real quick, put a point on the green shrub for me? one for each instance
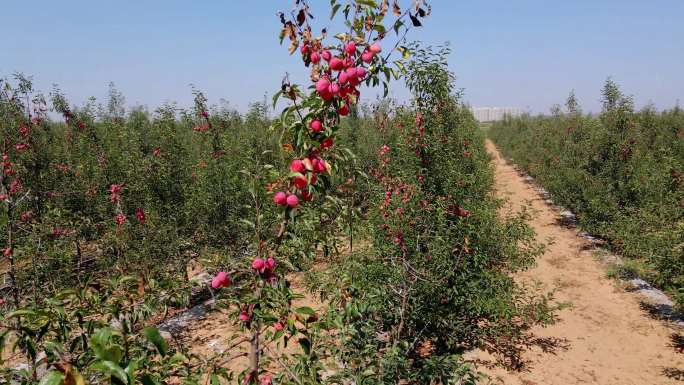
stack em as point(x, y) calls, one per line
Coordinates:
point(436, 281)
point(620, 171)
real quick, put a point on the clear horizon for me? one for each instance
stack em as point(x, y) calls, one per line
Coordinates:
point(526, 55)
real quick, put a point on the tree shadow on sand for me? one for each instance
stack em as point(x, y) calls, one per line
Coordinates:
point(661, 311)
point(677, 342)
point(509, 354)
point(674, 373)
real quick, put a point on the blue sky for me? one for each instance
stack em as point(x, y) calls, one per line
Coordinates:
point(522, 53)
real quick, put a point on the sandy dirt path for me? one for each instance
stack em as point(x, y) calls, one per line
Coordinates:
point(607, 338)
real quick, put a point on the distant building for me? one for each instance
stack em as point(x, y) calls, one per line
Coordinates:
point(491, 114)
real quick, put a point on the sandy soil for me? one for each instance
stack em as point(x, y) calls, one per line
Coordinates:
point(605, 336)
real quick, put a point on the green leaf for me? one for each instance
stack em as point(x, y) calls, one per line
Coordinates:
point(112, 369)
point(178, 357)
point(248, 223)
point(130, 370)
point(278, 335)
point(305, 344)
point(334, 10)
point(397, 26)
point(52, 377)
point(400, 65)
point(65, 293)
point(305, 310)
point(148, 380)
point(104, 347)
point(215, 379)
point(152, 335)
point(405, 52)
point(20, 313)
point(275, 98)
point(369, 3)
point(3, 341)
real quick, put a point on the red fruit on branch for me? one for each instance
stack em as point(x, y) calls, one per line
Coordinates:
point(258, 264)
point(299, 182)
point(316, 125)
point(220, 280)
point(217, 154)
point(343, 110)
point(120, 219)
point(367, 56)
point(351, 73)
point(244, 317)
point(326, 55)
point(26, 216)
point(21, 146)
point(270, 264)
point(458, 211)
point(322, 85)
point(323, 88)
point(327, 96)
point(336, 64)
point(223, 277)
point(321, 166)
point(280, 198)
point(292, 201)
point(140, 214)
point(115, 192)
point(15, 186)
point(344, 78)
point(215, 283)
point(307, 196)
point(297, 166)
point(327, 143)
point(350, 48)
point(57, 232)
point(375, 48)
point(115, 188)
point(205, 114)
point(4, 197)
point(201, 128)
point(7, 252)
point(265, 380)
point(315, 57)
point(399, 238)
